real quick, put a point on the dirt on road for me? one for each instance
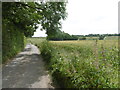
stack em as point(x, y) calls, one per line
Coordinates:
point(26, 70)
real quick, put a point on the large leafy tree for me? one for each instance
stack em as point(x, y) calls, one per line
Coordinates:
point(20, 19)
point(53, 13)
point(26, 15)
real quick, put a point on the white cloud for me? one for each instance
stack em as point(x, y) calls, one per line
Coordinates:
point(91, 16)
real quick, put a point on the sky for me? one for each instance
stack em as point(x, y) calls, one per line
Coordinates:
point(89, 17)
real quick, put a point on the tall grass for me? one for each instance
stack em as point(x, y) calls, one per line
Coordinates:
point(82, 64)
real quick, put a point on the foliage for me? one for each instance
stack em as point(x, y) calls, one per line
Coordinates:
point(101, 37)
point(83, 64)
point(26, 16)
point(61, 35)
point(82, 38)
point(20, 19)
point(19, 15)
point(53, 12)
point(12, 42)
point(98, 35)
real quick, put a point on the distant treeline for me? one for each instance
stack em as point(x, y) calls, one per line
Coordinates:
point(61, 35)
point(98, 35)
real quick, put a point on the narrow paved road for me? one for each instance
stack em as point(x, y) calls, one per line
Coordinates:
point(26, 70)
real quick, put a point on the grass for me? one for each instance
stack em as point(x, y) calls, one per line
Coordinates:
point(36, 40)
point(82, 64)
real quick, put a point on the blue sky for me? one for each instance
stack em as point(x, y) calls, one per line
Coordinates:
point(89, 17)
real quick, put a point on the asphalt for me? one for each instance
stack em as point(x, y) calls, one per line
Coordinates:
point(26, 70)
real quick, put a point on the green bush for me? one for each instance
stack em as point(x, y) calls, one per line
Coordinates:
point(12, 42)
point(101, 37)
point(72, 71)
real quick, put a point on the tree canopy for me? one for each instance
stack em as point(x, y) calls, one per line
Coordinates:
point(25, 16)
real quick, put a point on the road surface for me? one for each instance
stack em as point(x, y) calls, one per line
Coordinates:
point(26, 70)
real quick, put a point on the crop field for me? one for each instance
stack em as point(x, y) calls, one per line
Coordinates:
point(112, 37)
point(92, 38)
point(106, 38)
point(81, 64)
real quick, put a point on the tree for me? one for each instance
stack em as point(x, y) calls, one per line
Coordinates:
point(26, 15)
point(53, 13)
point(20, 19)
point(101, 37)
point(21, 16)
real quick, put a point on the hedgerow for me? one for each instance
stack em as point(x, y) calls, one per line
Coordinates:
point(12, 42)
point(76, 66)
